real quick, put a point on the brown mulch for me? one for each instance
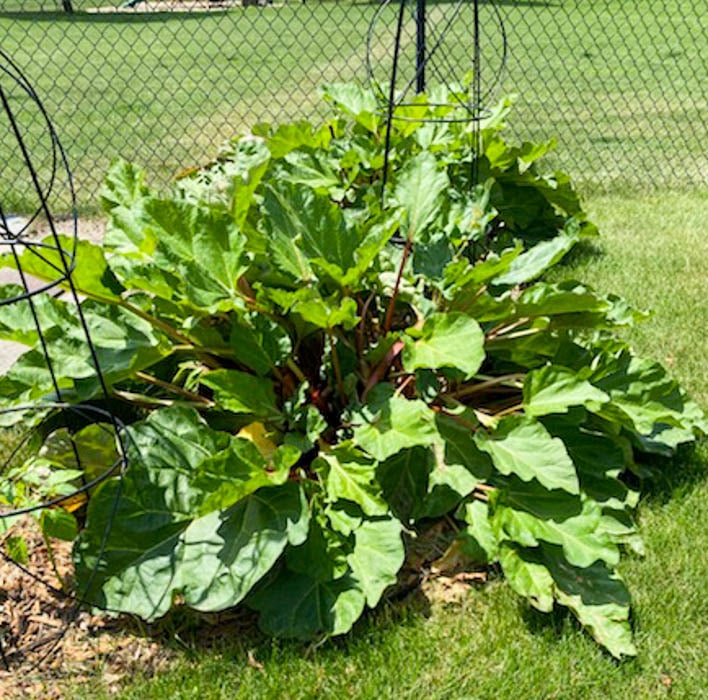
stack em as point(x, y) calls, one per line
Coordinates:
point(48, 643)
point(436, 567)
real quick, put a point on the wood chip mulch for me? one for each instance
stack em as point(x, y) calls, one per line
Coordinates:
point(48, 644)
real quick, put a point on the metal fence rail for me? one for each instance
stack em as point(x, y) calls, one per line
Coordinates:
point(622, 86)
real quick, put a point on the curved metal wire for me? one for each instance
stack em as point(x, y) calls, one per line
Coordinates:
point(20, 238)
point(474, 106)
point(58, 255)
point(13, 71)
point(88, 412)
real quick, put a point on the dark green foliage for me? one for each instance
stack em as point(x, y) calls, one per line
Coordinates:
point(319, 372)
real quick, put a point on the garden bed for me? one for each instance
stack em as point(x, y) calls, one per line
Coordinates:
point(47, 642)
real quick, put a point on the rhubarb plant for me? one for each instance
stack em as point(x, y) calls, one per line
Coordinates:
point(316, 361)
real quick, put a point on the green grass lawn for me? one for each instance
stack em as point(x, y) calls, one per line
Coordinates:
point(164, 91)
point(619, 84)
point(492, 646)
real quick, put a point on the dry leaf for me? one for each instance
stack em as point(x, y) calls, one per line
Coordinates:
point(253, 662)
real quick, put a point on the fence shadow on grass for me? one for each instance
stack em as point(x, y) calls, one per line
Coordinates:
point(111, 17)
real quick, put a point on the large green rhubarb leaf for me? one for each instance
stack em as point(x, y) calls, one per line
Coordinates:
point(583, 540)
point(599, 599)
point(595, 594)
point(522, 446)
point(241, 392)
point(204, 247)
point(555, 389)
point(147, 541)
point(446, 340)
point(534, 262)
point(298, 606)
point(90, 275)
point(261, 344)
point(349, 474)
point(392, 423)
point(17, 322)
point(478, 540)
point(236, 472)
point(643, 395)
point(599, 460)
point(447, 486)
point(527, 576)
point(355, 101)
point(457, 430)
point(123, 344)
point(308, 230)
point(419, 192)
point(404, 480)
point(569, 297)
point(377, 557)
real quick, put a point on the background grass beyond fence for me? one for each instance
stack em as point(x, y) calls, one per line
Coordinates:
point(622, 86)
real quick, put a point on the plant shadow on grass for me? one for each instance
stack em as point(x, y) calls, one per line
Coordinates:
point(582, 253)
point(554, 627)
point(235, 633)
point(670, 477)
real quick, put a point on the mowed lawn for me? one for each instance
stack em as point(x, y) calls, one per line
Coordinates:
point(164, 91)
point(492, 646)
point(618, 84)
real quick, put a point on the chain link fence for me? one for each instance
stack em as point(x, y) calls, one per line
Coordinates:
point(621, 85)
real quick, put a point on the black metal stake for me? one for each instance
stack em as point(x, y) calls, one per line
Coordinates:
point(420, 47)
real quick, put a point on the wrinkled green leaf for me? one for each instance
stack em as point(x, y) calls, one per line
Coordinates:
point(328, 314)
point(314, 607)
point(479, 541)
point(404, 480)
point(527, 577)
point(555, 389)
point(241, 392)
point(261, 344)
point(522, 446)
point(236, 472)
point(580, 535)
point(377, 557)
point(90, 275)
point(159, 546)
point(350, 475)
point(446, 340)
point(419, 192)
point(392, 423)
point(355, 101)
point(534, 262)
point(598, 598)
